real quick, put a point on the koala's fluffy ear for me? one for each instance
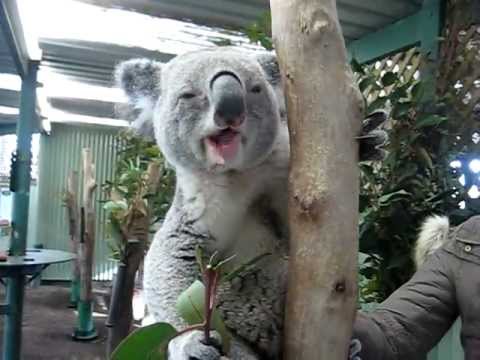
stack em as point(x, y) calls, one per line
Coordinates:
point(269, 63)
point(140, 80)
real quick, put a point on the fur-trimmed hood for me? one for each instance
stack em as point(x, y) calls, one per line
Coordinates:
point(433, 234)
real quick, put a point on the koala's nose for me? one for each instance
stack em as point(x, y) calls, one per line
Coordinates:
point(228, 99)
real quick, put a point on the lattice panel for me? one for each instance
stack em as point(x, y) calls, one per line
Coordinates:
point(459, 71)
point(404, 64)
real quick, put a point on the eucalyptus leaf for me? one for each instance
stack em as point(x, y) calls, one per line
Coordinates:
point(190, 306)
point(356, 67)
point(146, 343)
point(389, 78)
point(430, 120)
point(425, 157)
point(394, 195)
point(418, 92)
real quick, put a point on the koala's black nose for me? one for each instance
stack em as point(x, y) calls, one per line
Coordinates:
point(228, 99)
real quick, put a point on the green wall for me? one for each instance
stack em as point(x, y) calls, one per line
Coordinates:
point(449, 348)
point(60, 153)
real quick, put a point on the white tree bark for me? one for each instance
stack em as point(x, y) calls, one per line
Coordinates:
point(87, 246)
point(324, 113)
point(73, 219)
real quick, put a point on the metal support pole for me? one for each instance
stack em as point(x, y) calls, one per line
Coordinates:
point(12, 338)
point(20, 184)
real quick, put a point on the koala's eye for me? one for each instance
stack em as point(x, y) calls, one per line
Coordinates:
point(187, 95)
point(256, 89)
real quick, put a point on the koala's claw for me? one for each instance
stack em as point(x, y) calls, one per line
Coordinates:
point(371, 139)
point(191, 346)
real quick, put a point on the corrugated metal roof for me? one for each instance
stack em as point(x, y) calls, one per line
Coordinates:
point(13, 50)
point(94, 62)
point(6, 61)
point(358, 17)
point(13, 59)
point(89, 61)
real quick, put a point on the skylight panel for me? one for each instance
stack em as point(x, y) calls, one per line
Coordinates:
point(67, 19)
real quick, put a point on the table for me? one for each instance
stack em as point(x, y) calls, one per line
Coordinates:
point(15, 269)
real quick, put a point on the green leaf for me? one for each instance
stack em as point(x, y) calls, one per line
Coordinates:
point(418, 91)
point(199, 257)
point(190, 306)
point(393, 196)
point(389, 78)
point(377, 104)
point(399, 93)
point(401, 109)
point(430, 120)
point(368, 81)
point(424, 157)
point(146, 343)
point(356, 67)
point(111, 206)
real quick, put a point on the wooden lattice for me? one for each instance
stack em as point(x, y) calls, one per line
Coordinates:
point(459, 69)
point(404, 64)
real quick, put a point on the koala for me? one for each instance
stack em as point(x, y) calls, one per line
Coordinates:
point(218, 116)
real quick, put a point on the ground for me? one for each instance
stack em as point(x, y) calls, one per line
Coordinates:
point(48, 324)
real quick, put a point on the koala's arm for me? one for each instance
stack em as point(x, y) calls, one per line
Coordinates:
point(170, 268)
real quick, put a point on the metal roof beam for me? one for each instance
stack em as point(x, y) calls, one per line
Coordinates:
point(9, 98)
point(423, 28)
point(86, 107)
point(392, 9)
point(395, 37)
point(8, 119)
point(217, 13)
point(7, 129)
point(14, 35)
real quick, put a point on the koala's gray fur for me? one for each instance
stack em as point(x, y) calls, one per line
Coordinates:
point(238, 207)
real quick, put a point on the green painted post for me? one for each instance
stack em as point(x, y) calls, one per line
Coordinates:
point(85, 329)
point(74, 291)
point(388, 40)
point(428, 33)
point(21, 170)
point(422, 28)
point(20, 184)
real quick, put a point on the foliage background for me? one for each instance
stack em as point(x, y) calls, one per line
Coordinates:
point(415, 179)
point(428, 129)
point(129, 190)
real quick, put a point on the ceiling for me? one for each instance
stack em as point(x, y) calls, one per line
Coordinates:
point(357, 17)
point(92, 62)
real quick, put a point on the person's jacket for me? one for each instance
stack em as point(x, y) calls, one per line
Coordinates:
point(416, 316)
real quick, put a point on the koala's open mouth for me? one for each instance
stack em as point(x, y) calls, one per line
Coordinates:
point(222, 146)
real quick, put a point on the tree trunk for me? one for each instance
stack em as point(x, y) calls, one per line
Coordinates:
point(120, 314)
point(136, 239)
point(74, 229)
point(324, 113)
point(87, 243)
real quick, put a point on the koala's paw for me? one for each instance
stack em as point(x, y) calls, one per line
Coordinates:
point(372, 139)
point(191, 346)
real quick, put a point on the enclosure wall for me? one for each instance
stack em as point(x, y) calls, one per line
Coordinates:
point(59, 154)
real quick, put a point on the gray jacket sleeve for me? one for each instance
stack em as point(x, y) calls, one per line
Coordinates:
point(414, 318)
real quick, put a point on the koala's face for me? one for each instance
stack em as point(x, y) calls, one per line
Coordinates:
point(213, 110)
